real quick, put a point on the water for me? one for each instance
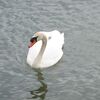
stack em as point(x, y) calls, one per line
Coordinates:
point(76, 76)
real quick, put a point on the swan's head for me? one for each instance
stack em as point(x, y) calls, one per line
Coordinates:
point(35, 38)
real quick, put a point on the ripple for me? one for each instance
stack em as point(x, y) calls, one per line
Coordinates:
point(76, 77)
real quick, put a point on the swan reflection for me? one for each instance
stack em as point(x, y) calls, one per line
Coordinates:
point(42, 90)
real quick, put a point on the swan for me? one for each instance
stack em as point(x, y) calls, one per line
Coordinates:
point(45, 49)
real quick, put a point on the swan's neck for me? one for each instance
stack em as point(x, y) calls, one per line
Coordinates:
point(38, 59)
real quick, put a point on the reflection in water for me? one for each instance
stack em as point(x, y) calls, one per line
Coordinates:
point(42, 90)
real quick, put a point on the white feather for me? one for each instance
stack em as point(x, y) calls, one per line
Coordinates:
point(53, 51)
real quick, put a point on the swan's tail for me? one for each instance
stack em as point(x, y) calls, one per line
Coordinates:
point(62, 38)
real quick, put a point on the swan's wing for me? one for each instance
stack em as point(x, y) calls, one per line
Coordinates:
point(53, 51)
point(56, 37)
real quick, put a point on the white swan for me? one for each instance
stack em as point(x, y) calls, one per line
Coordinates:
point(45, 49)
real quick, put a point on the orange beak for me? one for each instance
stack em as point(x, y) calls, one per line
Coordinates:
point(31, 44)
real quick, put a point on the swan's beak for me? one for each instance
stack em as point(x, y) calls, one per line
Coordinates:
point(33, 40)
point(31, 44)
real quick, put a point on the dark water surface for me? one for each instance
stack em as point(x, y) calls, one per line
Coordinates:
point(76, 76)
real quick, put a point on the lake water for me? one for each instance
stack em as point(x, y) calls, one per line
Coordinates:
point(76, 76)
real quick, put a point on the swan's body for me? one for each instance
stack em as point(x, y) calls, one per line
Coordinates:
point(47, 51)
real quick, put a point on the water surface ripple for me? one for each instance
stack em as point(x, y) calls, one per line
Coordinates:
point(76, 76)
